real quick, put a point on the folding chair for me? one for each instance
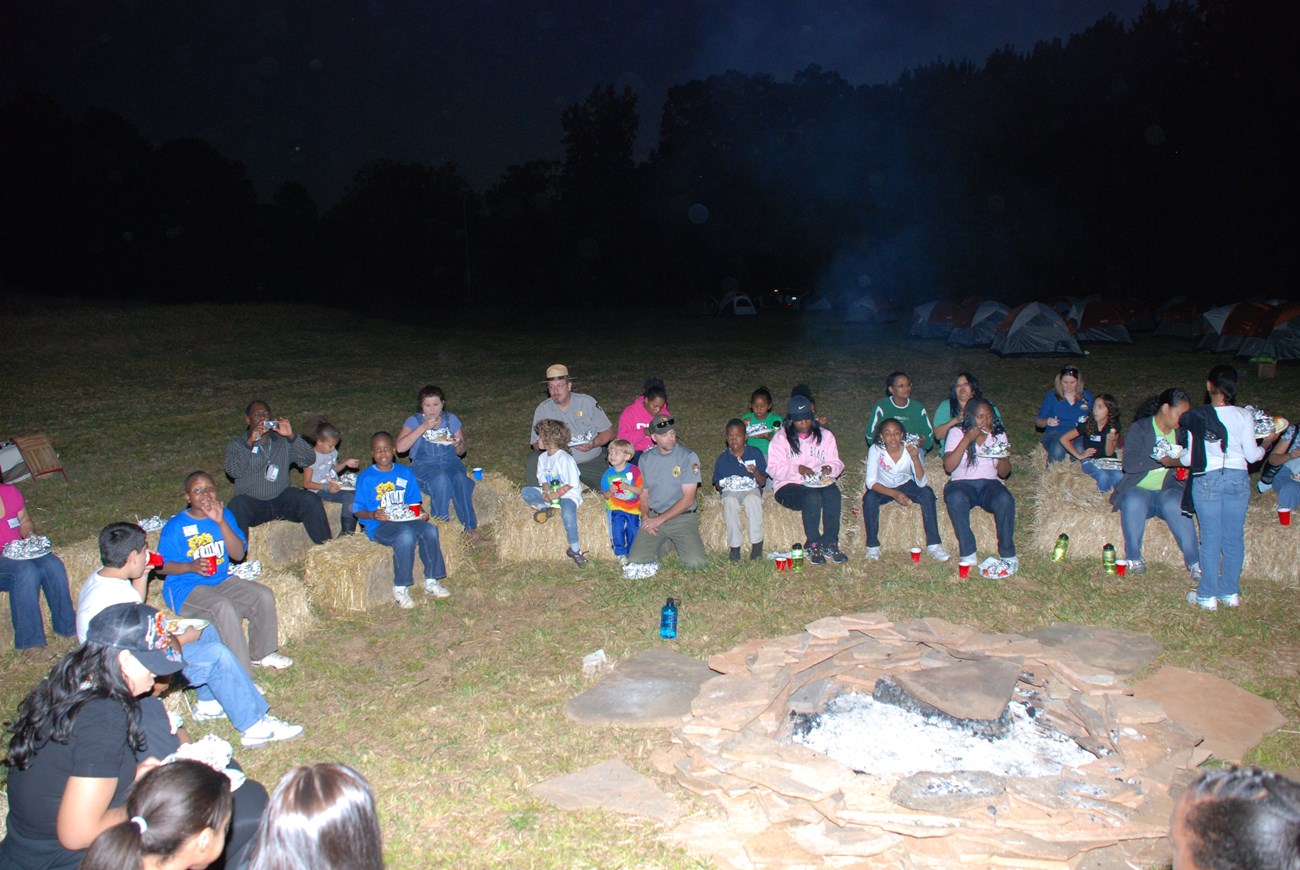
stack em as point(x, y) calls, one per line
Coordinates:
point(38, 453)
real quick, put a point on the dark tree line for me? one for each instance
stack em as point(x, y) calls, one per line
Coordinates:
point(1143, 161)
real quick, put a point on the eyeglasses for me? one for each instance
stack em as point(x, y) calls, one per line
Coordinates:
point(202, 490)
point(665, 424)
point(1070, 371)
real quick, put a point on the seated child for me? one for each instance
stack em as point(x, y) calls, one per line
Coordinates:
point(322, 476)
point(740, 474)
point(761, 423)
point(1097, 438)
point(622, 484)
point(895, 472)
point(557, 478)
point(384, 491)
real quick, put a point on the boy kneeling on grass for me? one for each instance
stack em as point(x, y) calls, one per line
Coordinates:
point(388, 506)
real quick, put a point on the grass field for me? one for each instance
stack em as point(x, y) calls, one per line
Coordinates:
point(452, 710)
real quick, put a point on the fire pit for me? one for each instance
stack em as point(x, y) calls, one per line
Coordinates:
point(1102, 792)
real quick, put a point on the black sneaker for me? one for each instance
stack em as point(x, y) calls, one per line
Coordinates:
point(814, 555)
point(833, 553)
point(576, 556)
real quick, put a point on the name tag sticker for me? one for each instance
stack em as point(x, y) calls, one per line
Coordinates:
point(189, 531)
point(14, 522)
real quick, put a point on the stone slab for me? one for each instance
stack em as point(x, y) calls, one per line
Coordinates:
point(1230, 719)
point(965, 690)
point(609, 785)
point(652, 689)
point(1109, 649)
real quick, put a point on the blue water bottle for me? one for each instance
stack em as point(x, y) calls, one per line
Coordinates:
point(668, 620)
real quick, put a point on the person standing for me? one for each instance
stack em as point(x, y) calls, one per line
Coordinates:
point(590, 427)
point(258, 462)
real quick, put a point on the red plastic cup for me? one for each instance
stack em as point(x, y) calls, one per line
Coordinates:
point(209, 565)
point(916, 555)
point(1180, 472)
point(963, 570)
point(780, 564)
point(1284, 516)
point(155, 559)
point(415, 509)
point(1121, 567)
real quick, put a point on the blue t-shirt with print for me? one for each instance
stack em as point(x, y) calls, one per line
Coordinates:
point(383, 489)
point(185, 539)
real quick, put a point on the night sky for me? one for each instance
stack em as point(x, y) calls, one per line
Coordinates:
point(311, 91)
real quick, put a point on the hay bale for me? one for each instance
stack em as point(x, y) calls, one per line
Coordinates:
point(782, 527)
point(520, 539)
point(355, 573)
point(280, 543)
point(292, 604)
point(491, 495)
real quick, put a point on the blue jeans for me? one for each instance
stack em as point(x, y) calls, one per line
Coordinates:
point(1221, 498)
point(404, 538)
point(821, 511)
point(24, 579)
point(1287, 489)
point(963, 496)
point(1139, 505)
point(1056, 452)
point(623, 527)
point(445, 482)
point(215, 672)
point(344, 499)
point(568, 511)
point(1106, 477)
point(920, 495)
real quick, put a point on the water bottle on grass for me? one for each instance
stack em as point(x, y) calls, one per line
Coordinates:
point(668, 620)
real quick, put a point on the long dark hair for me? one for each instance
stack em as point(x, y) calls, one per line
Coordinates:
point(968, 423)
point(89, 672)
point(176, 802)
point(954, 406)
point(1223, 380)
point(1112, 413)
point(792, 434)
point(1151, 404)
point(322, 817)
point(880, 427)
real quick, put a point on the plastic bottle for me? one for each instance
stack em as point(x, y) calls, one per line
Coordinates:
point(796, 558)
point(1061, 547)
point(668, 620)
point(555, 500)
point(1108, 558)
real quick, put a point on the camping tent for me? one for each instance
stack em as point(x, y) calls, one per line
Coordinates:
point(736, 304)
point(1283, 339)
point(1180, 318)
point(1137, 316)
point(935, 319)
point(1098, 321)
point(868, 309)
point(1033, 329)
point(1230, 325)
point(978, 328)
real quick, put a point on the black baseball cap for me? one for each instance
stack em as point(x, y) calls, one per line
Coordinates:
point(140, 629)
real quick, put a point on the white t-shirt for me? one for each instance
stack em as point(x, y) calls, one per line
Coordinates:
point(883, 470)
point(98, 593)
point(1242, 447)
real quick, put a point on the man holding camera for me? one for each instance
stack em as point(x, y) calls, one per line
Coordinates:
point(258, 462)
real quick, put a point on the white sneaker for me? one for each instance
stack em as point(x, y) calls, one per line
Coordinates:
point(436, 589)
point(1233, 600)
point(937, 553)
point(873, 553)
point(207, 711)
point(622, 560)
point(269, 729)
point(275, 661)
point(402, 595)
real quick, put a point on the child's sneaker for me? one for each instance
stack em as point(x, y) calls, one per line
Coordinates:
point(1203, 603)
point(937, 553)
point(402, 595)
point(436, 589)
point(541, 515)
point(814, 555)
point(576, 556)
point(833, 553)
point(622, 560)
point(1195, 571)
point(207, 711)
point(1233, 600)
point(873, 553)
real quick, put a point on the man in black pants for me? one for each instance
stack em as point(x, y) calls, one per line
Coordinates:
point(258, 462)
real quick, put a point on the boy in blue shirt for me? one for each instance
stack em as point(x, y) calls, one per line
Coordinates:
point(740, 474)
point(384, 493)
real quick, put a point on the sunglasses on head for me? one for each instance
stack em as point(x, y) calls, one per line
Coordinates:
point(664, 424)
point(1070, 371)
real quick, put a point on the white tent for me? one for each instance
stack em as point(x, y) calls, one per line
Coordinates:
point(736, 304)
point(1033, 329)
